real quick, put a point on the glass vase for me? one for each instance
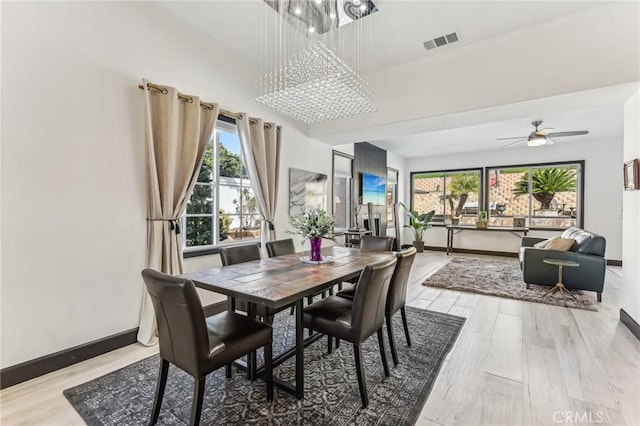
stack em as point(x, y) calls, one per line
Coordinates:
point(316, 249)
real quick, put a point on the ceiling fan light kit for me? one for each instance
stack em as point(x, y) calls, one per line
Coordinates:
point(537, 140)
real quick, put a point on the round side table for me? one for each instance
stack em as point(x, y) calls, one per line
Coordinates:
point(559, 287)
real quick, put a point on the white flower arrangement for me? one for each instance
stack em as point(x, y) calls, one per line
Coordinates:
point(314, 223)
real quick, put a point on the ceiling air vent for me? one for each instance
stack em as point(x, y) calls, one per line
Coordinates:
point(440, 41)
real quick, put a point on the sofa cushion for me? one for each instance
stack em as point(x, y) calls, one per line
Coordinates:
point(586, 242)
point(543, 244)
point(560, 244)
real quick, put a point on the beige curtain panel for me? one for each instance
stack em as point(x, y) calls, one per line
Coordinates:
point(261, 148)
point(178, 131)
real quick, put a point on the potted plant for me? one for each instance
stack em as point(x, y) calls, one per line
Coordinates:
point(483, 220)
point(314, 225)
point(418, 223)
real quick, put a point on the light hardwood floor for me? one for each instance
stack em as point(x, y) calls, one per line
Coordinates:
point(514, 363)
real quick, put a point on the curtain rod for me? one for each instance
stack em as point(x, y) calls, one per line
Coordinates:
point(221, 111)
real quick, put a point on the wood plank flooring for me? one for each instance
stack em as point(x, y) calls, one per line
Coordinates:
point(515, 363)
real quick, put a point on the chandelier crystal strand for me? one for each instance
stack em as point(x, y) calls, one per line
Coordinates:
point(311, 76)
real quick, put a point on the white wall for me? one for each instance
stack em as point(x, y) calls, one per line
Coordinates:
point(73, 200)
point(631, 215)
point(602, 203)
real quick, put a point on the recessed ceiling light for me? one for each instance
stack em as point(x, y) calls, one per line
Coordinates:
point(297, 11)
point(363, 7)
point(312, 30)
point(332, 15)
point(318, 1)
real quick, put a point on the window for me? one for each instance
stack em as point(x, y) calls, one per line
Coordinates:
point(392, 194)
point(545, 195)
point(342, 183)
point(222, 195)
point(453, 194)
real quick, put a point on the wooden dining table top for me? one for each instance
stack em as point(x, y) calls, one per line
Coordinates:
point(280, 281)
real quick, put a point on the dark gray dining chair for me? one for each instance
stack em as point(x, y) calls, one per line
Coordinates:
point(197, 345)
point(371, 243)
point(280, 247)
point(396, 297)
point(355, 320)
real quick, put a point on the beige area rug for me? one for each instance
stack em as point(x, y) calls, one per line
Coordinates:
point(501, 276)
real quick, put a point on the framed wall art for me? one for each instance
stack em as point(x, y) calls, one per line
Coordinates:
point(307, 190)
point(631, 172)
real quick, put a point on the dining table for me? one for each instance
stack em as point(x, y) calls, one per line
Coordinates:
point(281, 281)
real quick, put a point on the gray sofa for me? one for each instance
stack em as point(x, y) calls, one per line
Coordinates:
point(588, 251)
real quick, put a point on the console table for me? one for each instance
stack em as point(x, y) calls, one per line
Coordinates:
point(456, 229)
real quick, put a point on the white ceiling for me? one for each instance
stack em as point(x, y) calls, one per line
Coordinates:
point(400, 29)
point(604, 123)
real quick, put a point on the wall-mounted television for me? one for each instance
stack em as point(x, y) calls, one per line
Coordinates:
point(373, 189)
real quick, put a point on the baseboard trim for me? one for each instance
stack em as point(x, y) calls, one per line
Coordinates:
point(631, 324)
point(612, 262)
point(40, 366)
point(471, 251)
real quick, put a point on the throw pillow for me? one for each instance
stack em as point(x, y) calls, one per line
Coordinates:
point(560, 244)
point(543, 244)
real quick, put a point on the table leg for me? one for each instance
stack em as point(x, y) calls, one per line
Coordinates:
point(560, 274)
point(551, 291)
point(566, 290)
point(252, 361)
point(299, 351)
point(449, 241)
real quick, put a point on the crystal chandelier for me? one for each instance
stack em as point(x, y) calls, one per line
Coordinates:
point(313, 63)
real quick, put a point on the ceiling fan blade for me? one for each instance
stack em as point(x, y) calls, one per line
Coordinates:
point(513, 143)
point(550, 141)
point(544, 132)
point(575, 133)
point(504, 139)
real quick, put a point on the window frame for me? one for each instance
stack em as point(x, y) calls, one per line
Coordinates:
point(484, 190)
point(580, 187)
point(481, 187)
point(228, 125)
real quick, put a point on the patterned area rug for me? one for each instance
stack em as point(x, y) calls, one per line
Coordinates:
point(125, 397)
point(502, 277)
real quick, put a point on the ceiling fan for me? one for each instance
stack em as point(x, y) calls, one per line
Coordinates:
point(542, 136)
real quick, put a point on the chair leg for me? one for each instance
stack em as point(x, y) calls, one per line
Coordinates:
point(406, 326)
point(337, 343)
point(162, 381)
point(359, 369)
point(599, 297)
point(392, 342)
point(227, 369)
point(329, 344)
point(383, 354)
point(292, 311)
point(268, 370)
point(196, 404)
